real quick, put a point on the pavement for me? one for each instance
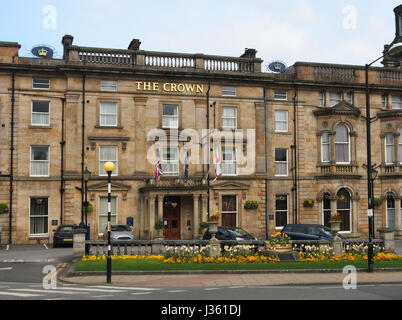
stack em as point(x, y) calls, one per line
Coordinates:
point(41, 253)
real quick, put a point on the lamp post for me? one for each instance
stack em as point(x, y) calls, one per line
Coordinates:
point(109, 167)
point(393, 50)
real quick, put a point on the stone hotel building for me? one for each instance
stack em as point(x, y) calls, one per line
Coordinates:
point(302, 131)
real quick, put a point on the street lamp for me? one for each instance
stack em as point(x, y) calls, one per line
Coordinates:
point(395, 49)
point(109, 167)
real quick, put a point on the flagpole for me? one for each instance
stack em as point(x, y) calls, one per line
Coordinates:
point(209, 151)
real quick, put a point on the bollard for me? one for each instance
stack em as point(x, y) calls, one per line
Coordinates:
point(79, 243)
point(388, 236)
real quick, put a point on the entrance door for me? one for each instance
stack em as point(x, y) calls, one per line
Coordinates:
point(171, 218)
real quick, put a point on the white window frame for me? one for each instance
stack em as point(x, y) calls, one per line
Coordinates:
point(282, 121)
point(102, 172)
point(281, 95)
point(287, 210)
point(108, 114)
point(334, 102)
point(232, 212)
point(400, 146)
point(39, 161)
point(343, 143)
point(392, 146)
point(399, 103)
point(350, 213)
point(37, 79)
point(234, 161)
point(386, 210)
point(229, 91)
point(33, 235)
point(384, 101)
point(282, 162)
point(109, 85)
point(42, 113)
point(100, 232)
point(174, 162)
point(170, 117)
point(350, 97)
point(230, 118)
point(322, 98)
point(323, 208)
point(329, 148)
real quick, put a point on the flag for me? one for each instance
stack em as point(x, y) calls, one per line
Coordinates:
point(217, 163)
point(186, 160)
point(158, 168)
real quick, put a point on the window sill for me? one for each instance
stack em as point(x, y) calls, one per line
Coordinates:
point(39, 127)
point(108, 127)
point(39, 236)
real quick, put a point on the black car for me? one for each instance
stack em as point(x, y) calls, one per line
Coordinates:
point(308, 232)
point(230, 233)
point(63, 236)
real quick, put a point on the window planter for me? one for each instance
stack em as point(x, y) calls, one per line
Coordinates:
point(251, 205)
point(3, 208)
point(308, 203)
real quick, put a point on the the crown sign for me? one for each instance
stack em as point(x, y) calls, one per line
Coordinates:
point(42, 52)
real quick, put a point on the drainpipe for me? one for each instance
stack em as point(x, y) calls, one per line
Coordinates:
point(83, 148)
point(295, 173)
point(209, 150)
point(11, 157)
point(62, 144)
point(266, 168)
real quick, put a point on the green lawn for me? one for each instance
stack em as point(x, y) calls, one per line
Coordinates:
point(154, 265)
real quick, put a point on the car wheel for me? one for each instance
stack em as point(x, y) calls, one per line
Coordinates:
point(55, 245)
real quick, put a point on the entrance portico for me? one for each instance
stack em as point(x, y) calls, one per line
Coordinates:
point(180, 205)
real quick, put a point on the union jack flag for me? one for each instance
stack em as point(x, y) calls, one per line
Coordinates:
point(158, 168)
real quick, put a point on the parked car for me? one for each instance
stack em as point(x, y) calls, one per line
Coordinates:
point(119, 233)
point(229, 233)
point(308, 232)
point(63, 236)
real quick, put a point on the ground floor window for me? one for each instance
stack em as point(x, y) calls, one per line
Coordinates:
point(344, 206)
point(229, 211)
point(38, 216)
point(103, 213)
point(390, 211)
point(281, 210)
point(326, 207)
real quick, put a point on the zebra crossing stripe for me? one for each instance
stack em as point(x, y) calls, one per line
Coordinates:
point(22, 295)
point(93, 289)
point(126, 288)
point(55, 291)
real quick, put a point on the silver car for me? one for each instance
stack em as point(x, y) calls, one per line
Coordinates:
point(119, 233)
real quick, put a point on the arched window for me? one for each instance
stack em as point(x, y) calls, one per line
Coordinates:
point(344, 206)
point(326, 209)
point(389, 148)
point(342, 144)
point(390, 211)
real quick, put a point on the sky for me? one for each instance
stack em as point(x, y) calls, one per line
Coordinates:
point(331, 31)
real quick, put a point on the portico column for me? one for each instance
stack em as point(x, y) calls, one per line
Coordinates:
point(151, 213)
point(204, 206)
point(196, 199)
point(161, 197)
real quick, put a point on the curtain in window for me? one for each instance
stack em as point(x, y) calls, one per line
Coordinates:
point(390, 211)
point(334, 98)
point(229, 161)
point(40, 113)
point(39, 161)
point(281, 162)
point(342, 144)
point(229, 117)
point(108, 114)
point(400, 145)
point(107, 154)
point(281, 121)
point(103, 214)
point(38, 220)
point(229, 211)
point(389, 148)
point(170, 117)
point(170, 161)
point(344, 208)
point(326, 153)
point(396, 102)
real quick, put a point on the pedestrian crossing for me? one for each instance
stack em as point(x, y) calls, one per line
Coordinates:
point(75, 292)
